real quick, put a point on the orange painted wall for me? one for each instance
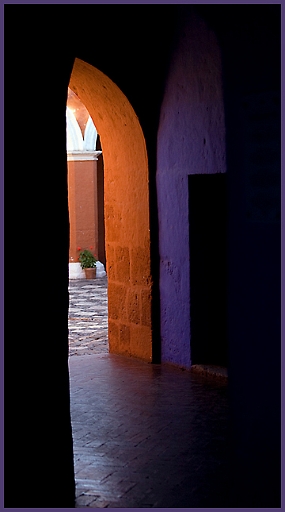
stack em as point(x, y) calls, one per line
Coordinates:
point(100, 199)
point(83, 211)
point(126, 203)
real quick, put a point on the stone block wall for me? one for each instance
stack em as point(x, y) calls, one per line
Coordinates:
point(129, 302)
point(126, 210)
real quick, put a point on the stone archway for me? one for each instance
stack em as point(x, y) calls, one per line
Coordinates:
point(126, 198)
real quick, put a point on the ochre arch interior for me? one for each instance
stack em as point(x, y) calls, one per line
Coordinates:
point(126, 208)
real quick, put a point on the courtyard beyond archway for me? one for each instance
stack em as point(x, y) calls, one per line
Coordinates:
point(126, 211)
point(88, 317)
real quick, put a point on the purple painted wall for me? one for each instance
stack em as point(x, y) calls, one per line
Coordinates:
point(191, 140)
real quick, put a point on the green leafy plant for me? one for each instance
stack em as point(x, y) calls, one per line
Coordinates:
point(86, 258)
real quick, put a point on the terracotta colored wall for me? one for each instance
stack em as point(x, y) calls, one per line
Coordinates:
point(191, 140)
point(126, 210)
point(100, 200)
point(83, 211)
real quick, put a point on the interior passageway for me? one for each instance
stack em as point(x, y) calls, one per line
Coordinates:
point(147, 435)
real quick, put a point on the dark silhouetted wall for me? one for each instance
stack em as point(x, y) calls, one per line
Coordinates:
point(204, 82)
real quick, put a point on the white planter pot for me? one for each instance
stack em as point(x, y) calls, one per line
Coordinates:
point(76, 272)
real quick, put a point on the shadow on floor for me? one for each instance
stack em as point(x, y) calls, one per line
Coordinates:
point(148, 435)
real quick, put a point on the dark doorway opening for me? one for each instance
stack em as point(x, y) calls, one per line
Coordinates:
point(208, 268)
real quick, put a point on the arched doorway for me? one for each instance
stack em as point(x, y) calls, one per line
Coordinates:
point(126, 207)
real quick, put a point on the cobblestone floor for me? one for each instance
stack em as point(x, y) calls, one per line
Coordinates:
point(88, 316)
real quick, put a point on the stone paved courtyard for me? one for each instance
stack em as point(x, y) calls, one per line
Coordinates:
point(88, 316)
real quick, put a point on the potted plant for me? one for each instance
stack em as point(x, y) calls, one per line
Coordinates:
point(88, 262)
